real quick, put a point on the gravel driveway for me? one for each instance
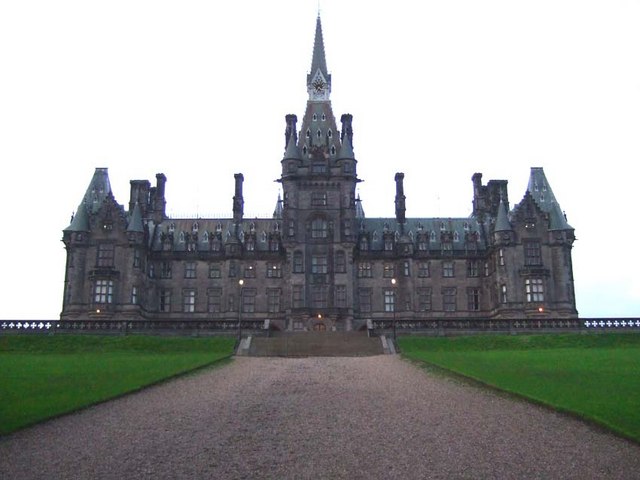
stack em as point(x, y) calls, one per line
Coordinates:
point(314, 418)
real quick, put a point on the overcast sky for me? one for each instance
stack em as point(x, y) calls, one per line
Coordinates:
point(439, 90)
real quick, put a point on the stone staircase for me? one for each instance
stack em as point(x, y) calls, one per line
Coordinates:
point(315, 344)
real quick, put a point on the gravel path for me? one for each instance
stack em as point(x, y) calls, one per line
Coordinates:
point(355, 418)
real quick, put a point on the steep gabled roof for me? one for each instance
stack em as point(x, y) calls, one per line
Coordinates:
point(542, 194)
point(502, 220)
point(319, 61)
point(99, 188)
point(135, 220)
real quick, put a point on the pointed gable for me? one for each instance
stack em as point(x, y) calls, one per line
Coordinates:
point(542, 194)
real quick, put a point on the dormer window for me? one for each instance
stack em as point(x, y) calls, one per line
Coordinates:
point(433, 236)
point(263, 237)
point(333, 150)
point(172, 228)
point(219, 227)
point(324, 117)
point(195, 227)
point(181, 237)
point(308, 133)
point(456, 236)
point(442, 227)
point(304, 150)
point(329, 133)
point(319, 133)
point(315, 117)
point(205, 237)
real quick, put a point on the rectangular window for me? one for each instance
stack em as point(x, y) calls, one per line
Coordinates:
point(297, 296)
point(389, 300)
point(473, 299)
point(340, 262)
point(134, 295)
point(388, 270)
point(341, 296)
point(532, 253)
point(214, 300)
point(318, 199)
point(448, 269)
point(318, 264)
point(347, 227)
point(214, 270)
point(406, 269)
point(319, 228)
point(190, 270)
point(249, 271)
point(298, 264)
point(274, 270)
point(248, 300)
point(364, 270)
point(424, 299)
point(534, 289)
point(165, 269)
point(291, 228)
point(319, 296)
point(189, 301)
point(105, 255)
point(273, 300)
point(473, 268)
point(137, 262)
point(103, 291)
point(319, 167)
point(165, 300)
point(423, 269)
point(501, 257)
point(503, 293)
point(449, 299)
point(233, 268)
point(364, 298)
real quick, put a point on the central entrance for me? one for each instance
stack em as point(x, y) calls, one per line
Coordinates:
point(319, 327)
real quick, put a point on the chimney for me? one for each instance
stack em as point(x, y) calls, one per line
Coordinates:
point(291, 129)
point(139, 194)
point(400, 200)
point(347, 130)
point(238, 201)
point(160, 203)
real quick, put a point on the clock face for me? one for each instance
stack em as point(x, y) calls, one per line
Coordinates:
point(318, 85)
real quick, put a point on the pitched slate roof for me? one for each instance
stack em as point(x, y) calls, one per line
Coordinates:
point(542, 194)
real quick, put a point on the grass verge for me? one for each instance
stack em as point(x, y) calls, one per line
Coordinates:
point(596, 377)
point(43, 377)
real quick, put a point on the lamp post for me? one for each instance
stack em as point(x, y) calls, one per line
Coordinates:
point(393, 286)
point(240, 283)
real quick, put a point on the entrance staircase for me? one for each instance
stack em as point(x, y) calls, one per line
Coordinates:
point(315, 344)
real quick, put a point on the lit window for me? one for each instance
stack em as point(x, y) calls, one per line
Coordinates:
point(503, 293)
point(103, 291)
point(534, 289)
point(249, 271)
point(274, 270)
point(389, 301)
point(189, 301)
point(364, 270)
point(388, 270)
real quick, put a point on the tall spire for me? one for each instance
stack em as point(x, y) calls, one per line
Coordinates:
point(318, 79)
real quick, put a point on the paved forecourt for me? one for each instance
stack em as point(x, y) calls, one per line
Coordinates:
point(309, 418)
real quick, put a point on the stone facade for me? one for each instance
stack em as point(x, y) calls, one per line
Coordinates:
point(319, 262)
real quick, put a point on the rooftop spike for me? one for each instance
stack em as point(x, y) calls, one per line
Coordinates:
point(318, 79)
point(135, 220)
point(502, 220)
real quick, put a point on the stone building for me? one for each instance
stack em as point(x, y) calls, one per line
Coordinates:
point(318, 262)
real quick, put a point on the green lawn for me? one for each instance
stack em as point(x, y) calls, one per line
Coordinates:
point(593, 376)
point(41, 377)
